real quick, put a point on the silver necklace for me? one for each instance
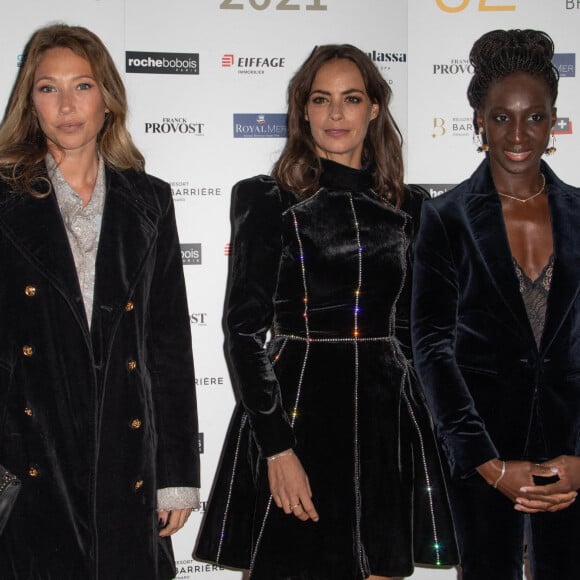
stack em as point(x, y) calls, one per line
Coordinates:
point(526, 199)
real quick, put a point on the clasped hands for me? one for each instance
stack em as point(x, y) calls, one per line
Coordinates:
point(519, 486)
point(290, 487)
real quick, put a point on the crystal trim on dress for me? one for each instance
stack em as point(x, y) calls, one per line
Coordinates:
point(230, 488)
point(355, 339)
point(436, 545)
point(294, 413)
point(362, 558)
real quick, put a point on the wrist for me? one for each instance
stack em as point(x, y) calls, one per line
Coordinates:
point(276, 456)
point(492, 471)
point(501, 474)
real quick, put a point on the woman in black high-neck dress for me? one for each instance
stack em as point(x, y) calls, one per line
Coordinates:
point(329, 470)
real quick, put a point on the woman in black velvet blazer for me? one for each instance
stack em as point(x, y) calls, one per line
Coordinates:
point(496, 325)
point(97, 401)
point(329, 469)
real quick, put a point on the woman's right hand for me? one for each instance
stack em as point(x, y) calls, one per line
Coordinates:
point(552, 496)
point(290, 487)
point(518, 475)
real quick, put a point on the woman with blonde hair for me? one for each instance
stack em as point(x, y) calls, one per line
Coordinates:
point(97, 404)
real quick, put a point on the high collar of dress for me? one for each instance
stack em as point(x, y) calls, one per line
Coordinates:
point(337, 176)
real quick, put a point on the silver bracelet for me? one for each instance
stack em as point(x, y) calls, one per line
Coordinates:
point(282, 454)
point(502, 473)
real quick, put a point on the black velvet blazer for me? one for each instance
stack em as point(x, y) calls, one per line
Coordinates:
point(474, 347)
point(94, 420)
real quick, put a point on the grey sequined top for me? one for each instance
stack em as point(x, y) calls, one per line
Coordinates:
point(83, 226)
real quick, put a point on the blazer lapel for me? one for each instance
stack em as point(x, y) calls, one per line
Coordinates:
point(485, 218)
point(35, 226)
point(564, 202)
point(127, 236)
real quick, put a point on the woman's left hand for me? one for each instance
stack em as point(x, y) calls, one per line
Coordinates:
point(170, 522)
point(553, 496)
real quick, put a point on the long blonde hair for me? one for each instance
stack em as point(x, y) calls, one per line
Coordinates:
point(23, 146)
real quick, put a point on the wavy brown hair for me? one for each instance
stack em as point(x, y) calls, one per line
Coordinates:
point(23, 145)
point(298, 168)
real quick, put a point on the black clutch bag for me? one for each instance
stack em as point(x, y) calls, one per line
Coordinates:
point(9, 488)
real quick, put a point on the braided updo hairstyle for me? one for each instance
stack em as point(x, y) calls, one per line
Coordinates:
point(500, 53)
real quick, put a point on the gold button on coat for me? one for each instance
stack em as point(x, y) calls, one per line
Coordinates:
point(138, 485)
point(28, 411)
point(135, 423)
point(129, 306)
point(33, 471)
point(132, 365)
point(30, 291)
point(27, 350)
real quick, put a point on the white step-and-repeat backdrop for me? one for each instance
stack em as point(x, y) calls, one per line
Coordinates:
point(207, 90)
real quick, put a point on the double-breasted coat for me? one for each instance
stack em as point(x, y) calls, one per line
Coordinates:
point(94, 419)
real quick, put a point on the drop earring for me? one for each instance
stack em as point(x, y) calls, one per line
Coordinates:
point(478, 140)
point(552, 148)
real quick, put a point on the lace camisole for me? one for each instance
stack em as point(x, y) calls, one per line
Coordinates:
point(535, 297)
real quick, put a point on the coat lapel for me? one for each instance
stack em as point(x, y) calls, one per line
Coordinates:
point(35, 226)
point(128, 232)
point(564, 202)
point(485, 218)
point(484, 215)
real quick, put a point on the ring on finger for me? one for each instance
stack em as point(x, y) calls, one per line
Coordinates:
point(293, 507)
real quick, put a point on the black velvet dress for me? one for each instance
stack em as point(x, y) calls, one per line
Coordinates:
point(317, 321)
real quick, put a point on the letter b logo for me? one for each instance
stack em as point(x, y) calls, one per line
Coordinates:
point(438, 127)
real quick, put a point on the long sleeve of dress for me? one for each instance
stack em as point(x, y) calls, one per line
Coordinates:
point(415, 196)
point(256, 249)
point(435, 306)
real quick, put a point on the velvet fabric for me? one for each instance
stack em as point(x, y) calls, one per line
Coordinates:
point(94, 421)
point(332, 381)
point(478, 360)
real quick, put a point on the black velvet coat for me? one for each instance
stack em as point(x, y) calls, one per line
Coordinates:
point(327, 276)
point(94, 421)
point(474, 347)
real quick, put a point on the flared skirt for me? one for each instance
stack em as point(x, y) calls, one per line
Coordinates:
point(365, 439)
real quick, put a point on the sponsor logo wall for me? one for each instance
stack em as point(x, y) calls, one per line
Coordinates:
point(191, 254)
point(206, 83)
point(259, 126)
point(440, 120)
point(162, 63)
